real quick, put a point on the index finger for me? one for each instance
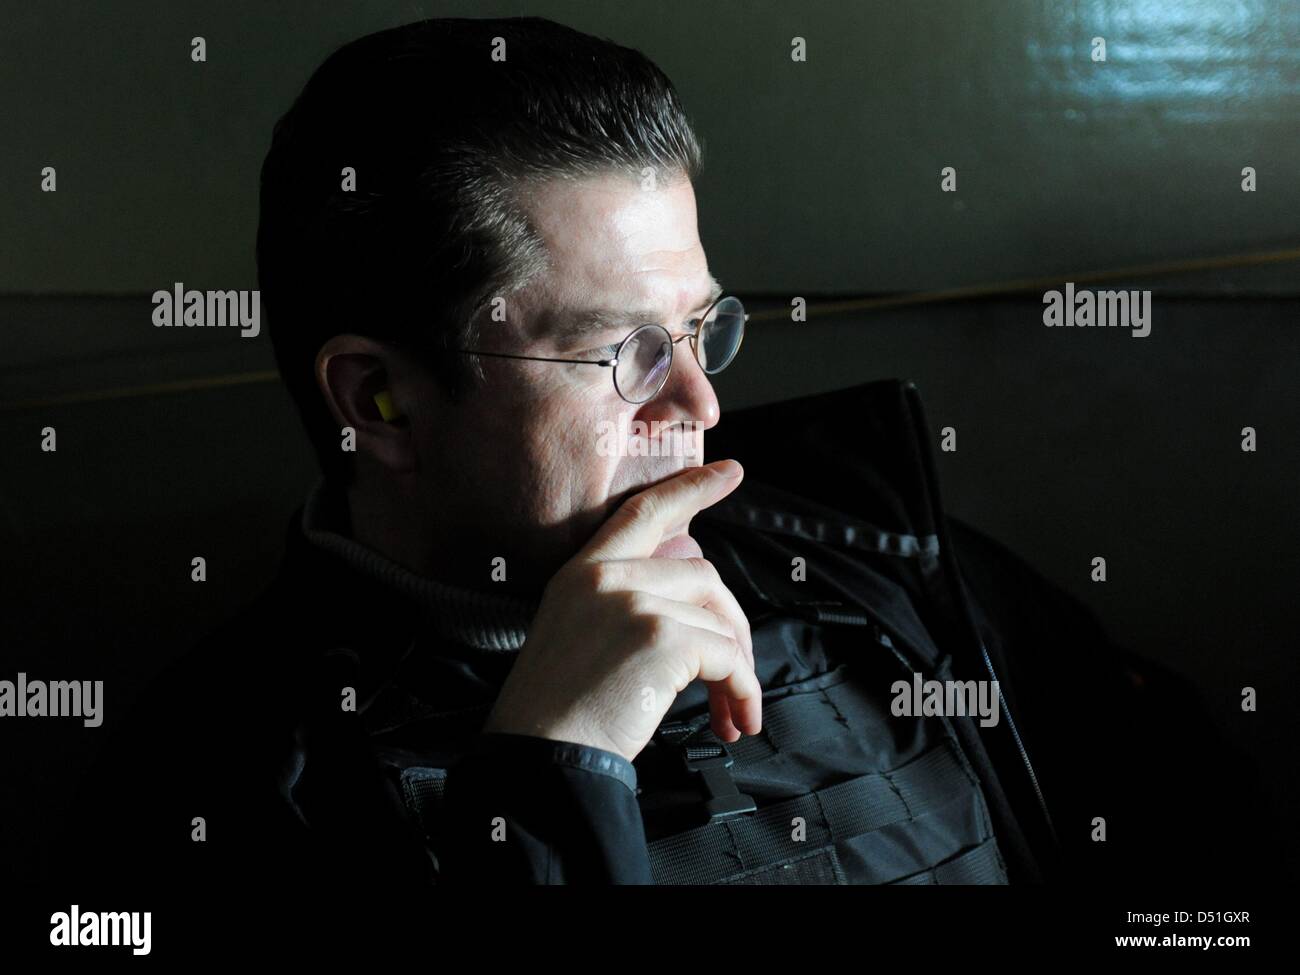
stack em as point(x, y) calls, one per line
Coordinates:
point(635, 530)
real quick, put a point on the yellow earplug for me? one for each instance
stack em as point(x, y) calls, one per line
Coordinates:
point(384, 401)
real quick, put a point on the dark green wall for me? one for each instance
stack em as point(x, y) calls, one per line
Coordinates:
point(822, 176)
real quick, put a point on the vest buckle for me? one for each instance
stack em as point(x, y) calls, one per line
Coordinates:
point(712, 762)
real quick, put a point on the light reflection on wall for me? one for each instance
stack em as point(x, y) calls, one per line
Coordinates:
point(1187, 60)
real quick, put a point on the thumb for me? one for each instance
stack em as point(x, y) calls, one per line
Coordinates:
point(635, 530)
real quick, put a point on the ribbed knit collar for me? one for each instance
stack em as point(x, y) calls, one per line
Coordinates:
point(484, 620)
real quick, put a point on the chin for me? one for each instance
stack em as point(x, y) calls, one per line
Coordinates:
point(647, 480)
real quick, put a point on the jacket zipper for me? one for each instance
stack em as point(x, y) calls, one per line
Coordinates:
point(1024, 755)
point(948, 560)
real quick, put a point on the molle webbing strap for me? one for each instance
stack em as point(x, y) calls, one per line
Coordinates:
point(800, 719)
point(711, 853)
point(979, 865)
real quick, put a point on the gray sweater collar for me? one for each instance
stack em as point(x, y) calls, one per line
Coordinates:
point(484, 620)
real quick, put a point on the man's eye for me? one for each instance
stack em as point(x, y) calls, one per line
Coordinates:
point(604, 352)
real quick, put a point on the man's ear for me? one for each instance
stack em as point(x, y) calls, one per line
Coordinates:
point(351, 371)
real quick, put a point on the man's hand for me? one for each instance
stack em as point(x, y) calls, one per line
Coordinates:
point(619, 634)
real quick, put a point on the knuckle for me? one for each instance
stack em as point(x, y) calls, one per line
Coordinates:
point(727, 623)
point(654, 628)
point(704, 567)
point(602, 576)
point(633, 602)
point(715, 580)
point(739, 661)
point(737, 654)
point(641, 506)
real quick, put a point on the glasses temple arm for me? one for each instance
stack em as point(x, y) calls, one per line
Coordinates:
point(538, 358)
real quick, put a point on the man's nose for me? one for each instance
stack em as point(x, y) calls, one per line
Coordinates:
point(687, 395)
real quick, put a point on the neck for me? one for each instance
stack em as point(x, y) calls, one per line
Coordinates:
point(371, 523)
point(400, 526)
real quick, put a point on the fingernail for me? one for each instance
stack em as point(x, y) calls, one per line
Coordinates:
point(729, 468)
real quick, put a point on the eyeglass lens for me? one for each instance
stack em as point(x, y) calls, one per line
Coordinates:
point(644, 359)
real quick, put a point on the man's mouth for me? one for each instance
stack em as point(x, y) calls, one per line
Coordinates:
point(679, 546)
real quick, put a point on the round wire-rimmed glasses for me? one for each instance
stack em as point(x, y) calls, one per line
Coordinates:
point(644, 359)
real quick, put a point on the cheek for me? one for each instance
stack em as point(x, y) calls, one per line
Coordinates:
point(569, 463)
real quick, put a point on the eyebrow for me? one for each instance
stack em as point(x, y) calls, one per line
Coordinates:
point(566, 324)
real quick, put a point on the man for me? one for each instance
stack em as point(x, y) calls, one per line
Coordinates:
point(508, 645)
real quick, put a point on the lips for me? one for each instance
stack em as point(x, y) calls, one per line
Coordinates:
point(678, 547)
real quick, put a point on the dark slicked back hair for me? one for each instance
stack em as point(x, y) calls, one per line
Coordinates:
point(443, 138)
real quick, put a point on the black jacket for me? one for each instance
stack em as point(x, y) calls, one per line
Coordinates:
point(247, 733)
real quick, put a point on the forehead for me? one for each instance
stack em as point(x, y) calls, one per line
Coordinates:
point(613, 244)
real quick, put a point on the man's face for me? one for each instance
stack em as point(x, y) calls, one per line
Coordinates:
point(525, 468)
